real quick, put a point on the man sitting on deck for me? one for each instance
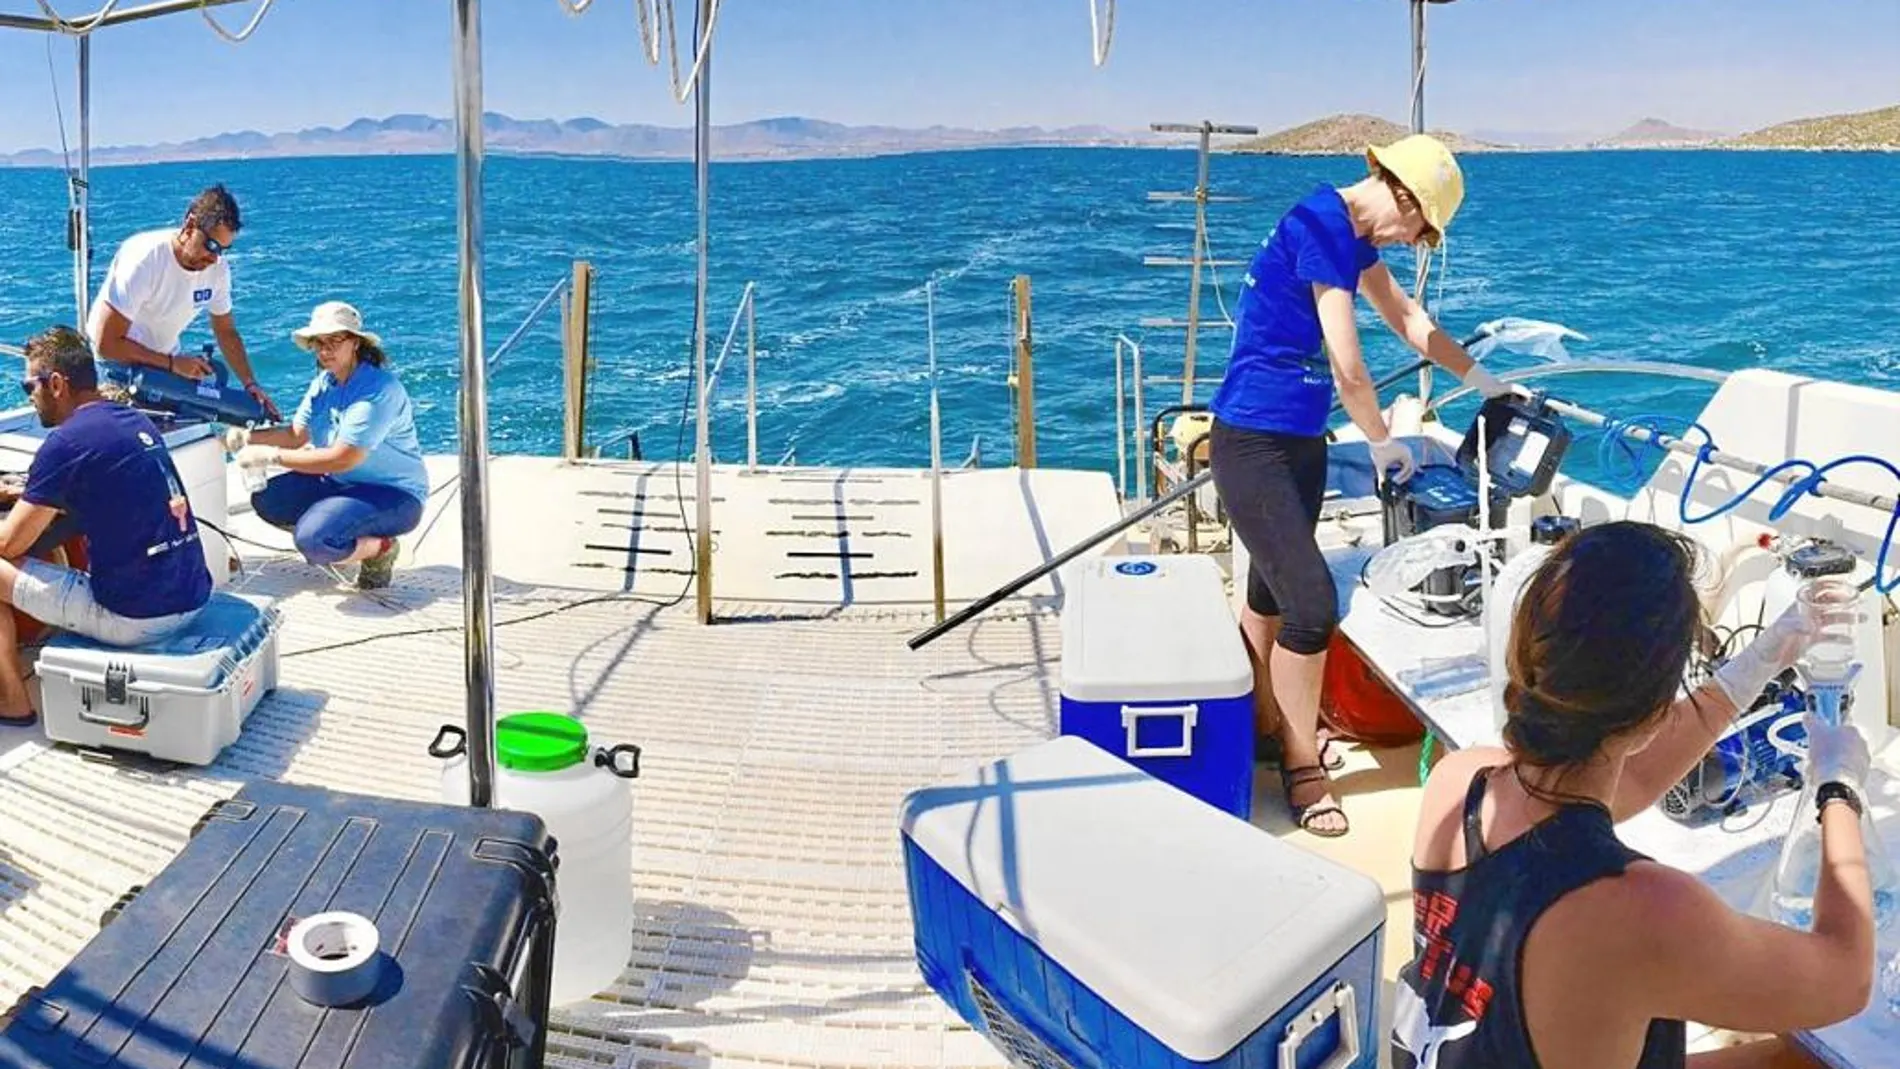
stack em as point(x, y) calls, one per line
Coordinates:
point(106, 466)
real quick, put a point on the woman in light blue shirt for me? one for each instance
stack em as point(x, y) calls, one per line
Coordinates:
point(354, 478)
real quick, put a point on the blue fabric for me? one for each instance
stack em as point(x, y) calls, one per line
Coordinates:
point(328, 516)
point(107, 467)
point(1278, 379)
point(373, 412)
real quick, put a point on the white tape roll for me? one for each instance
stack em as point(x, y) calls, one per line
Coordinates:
point(334, 958)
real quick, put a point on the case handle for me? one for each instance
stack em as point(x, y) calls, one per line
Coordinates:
point(441, 749)
point(1338, 1002)
point(609, 759)
point(1132, 717)
point(136, 722)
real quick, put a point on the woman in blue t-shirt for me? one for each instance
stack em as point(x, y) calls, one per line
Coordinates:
point(354, 477)
point(1268, 440)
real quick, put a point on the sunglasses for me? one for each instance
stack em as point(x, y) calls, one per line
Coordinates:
point(31, 383)
point(212, 245)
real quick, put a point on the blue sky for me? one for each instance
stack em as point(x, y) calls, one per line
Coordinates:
point(1560, 66)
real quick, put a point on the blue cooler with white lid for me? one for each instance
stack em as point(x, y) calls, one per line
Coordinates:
point(1080, 913)
point(1154, 671)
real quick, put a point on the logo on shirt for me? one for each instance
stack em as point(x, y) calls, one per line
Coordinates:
point(147, 440)
point(200, 296)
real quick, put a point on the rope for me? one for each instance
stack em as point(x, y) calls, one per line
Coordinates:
point(684, 91)
point(59, 112)
point(1101, 29)
point(65, 25)
point(648, 14)
point(257, 19)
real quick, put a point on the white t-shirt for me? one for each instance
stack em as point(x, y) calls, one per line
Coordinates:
point(147, 286)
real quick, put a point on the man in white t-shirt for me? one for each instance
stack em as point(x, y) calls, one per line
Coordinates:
point(159, 280)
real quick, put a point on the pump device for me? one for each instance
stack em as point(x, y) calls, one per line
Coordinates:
point(1524, 443)
point(214, 400)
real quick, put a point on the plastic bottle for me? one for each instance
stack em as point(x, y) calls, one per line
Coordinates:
point(1501, 604)
point(1827, 674)
point(544, 766)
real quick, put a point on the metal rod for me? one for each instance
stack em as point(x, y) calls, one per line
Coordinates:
point(1418, 66)
point(1674, 444)
point(702, 462)
point(936, 454)
point(751, 379)
point(1194, 282)
point(476, 596)
point(116, 18)
point(82, 194)
point(564, 286)
point(1141, 423)
point(1121, 428)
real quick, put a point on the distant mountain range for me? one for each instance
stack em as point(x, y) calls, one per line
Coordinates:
point(801, 138)
point(779, 138)
point(1347, 135)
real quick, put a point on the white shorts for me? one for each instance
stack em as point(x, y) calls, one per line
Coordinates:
point(62, 597)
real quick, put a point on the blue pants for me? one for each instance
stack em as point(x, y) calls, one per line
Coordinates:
point(328, 516)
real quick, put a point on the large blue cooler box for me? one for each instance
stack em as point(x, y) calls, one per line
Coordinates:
point(1154, 670)
point(194, 973)
point(1080, 913)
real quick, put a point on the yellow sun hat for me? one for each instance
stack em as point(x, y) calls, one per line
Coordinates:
point(1425, 167)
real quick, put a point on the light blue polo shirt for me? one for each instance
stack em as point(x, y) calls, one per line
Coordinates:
point(372, 412)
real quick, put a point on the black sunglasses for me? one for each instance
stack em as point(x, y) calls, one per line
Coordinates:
point(212, 245)
point(32, 382)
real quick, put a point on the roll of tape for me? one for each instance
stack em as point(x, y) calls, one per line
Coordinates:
point(334, 958)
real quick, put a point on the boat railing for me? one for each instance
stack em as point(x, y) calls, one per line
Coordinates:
point(746, 313)
point(573, 293)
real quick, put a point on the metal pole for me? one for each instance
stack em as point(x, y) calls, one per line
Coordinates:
point(1194, 282)
point(751, 381)
point(1422, 252)
point(936, 454)
point(1142, 446)
point(82, 207)
point(1418, 66)
point(702, 464)
point(1121, 425)
point(476, 596)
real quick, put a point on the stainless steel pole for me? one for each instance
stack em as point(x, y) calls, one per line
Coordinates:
point(702, 462)
point(82, 208)
point(477, 603)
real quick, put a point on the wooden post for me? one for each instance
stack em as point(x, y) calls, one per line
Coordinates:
point(577, 362)
point(1025, 379)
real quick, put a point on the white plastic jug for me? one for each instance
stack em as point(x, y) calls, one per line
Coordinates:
point(544, 766)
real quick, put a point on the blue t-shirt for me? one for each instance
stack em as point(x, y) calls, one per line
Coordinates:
point(1278, 378)
point(372, 412)
point(108, 468)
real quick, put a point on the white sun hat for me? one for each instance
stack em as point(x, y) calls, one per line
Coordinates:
point(333, 317)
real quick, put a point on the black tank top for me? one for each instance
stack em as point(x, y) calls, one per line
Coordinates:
point(1459, 1002)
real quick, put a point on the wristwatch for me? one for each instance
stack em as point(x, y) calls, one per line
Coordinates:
point(1835, 791)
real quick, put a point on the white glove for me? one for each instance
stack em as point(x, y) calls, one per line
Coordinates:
point(1480, 379)
point(1835, 752)
point(235, 439)
point(1389, 452)
point(1744, 676)
point(257, 456)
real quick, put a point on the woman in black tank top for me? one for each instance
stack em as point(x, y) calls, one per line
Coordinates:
point(1540, 940)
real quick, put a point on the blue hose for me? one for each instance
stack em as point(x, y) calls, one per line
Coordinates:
point(1617, 442)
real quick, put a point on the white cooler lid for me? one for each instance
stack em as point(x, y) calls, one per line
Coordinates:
point(196, 658)
point(1151, 628)
point(1198, 926)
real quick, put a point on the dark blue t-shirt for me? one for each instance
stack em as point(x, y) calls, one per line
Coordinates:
point(108, 468)
point(1278, 378)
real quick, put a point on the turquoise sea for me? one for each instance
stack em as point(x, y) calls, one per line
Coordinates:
point(1726, 260)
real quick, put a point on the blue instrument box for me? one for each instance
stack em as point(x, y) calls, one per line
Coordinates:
point(214, 400)
point(1154, 671)
point(1080, 913)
